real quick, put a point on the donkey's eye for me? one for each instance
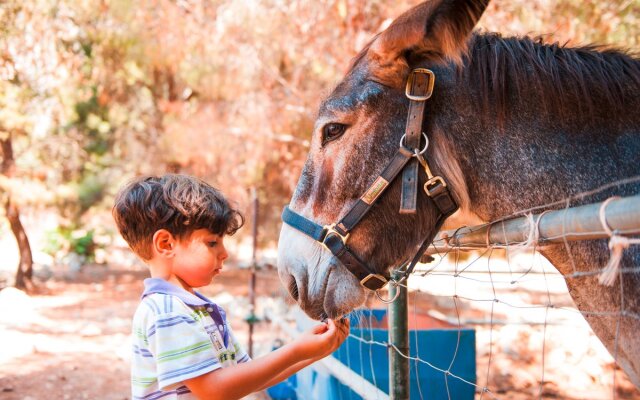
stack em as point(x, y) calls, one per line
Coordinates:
point(332, 131)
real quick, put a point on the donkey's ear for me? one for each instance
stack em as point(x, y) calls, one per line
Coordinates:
point(439, 28)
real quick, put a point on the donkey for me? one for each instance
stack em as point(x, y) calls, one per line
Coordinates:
point(513, 123)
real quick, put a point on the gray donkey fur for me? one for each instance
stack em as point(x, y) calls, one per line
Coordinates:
point(545, 152)
point(513, 124)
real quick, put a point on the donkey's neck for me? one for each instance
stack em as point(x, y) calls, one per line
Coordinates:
point(547, 131)
point(536, 153)
point(532, 166)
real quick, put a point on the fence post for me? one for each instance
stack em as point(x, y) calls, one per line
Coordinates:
point(252, 319)
point(399, 337)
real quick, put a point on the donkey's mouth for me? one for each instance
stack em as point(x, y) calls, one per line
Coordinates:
point(333, 296)
point(315, 279)
point(342, 292)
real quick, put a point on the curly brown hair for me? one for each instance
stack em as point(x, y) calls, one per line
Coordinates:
point(178, 203)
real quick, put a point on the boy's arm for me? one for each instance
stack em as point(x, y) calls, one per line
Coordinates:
point(343, 327)
point(343, 331)
point(242, 379)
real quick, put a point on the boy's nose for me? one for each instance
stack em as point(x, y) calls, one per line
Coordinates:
point(224, 255)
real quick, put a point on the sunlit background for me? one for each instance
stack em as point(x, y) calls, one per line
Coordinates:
point(95, 92)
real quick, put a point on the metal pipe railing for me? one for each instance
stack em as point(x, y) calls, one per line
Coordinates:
point(569, 224)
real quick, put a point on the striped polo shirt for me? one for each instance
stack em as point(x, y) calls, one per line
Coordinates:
point(176, 336)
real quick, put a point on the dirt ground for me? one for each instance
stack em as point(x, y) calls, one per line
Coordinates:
point(71, 340)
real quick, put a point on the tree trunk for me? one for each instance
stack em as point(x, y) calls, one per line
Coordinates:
point(25, 267)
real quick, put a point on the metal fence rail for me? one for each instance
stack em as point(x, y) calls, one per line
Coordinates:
point(569, 224)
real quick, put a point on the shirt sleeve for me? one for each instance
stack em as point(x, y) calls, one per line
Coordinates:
point(241, 354)
point(181, 347)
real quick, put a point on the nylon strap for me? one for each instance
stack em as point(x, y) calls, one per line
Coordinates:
point(379, 186)
point(334, 237)
point(447, 206)
point(353, 263)
point(335, 244)
point(418, 86)
point(310, 228)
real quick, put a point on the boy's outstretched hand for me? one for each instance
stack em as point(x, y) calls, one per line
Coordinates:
point(239, 380)
point(323, 339)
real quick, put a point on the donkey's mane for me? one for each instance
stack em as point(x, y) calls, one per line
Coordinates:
point(564, 80)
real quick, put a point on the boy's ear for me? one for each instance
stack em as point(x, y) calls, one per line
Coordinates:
point(163, 243)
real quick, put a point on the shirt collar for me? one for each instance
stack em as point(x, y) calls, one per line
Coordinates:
point(157, 285)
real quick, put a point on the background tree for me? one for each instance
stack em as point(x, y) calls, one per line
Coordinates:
point(12, 124)
point(95, 92)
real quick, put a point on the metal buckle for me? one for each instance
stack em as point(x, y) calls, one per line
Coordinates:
point(331, 230)
point(433, 182)
point(374, 276)
point(432, 80)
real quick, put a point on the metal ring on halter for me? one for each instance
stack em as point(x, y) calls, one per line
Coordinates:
point(426, 143)
point(388, 301)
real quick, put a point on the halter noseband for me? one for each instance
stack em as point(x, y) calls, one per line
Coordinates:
point(335, 236)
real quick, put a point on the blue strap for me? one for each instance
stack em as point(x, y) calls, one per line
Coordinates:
point(337, 247)
point(302, 224)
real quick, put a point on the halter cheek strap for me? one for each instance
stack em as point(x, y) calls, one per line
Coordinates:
point(335, 236)
point(419, 89)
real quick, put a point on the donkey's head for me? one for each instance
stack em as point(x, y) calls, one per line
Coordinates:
point(358, 131)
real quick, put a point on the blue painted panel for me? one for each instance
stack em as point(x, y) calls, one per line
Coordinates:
point(285, 390)
point(444, 349)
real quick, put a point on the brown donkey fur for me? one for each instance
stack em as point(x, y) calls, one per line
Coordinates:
point(513, 123)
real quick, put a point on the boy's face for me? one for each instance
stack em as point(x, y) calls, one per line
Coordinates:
point(199, 257)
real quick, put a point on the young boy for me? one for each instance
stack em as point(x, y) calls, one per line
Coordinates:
point(182, 345)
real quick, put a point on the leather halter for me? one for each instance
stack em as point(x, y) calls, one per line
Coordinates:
point(335, 236)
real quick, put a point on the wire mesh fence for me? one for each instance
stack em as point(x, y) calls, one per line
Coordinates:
point(522, 288)
point(532, 340)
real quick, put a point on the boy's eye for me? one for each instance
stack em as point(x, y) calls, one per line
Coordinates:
point(212, 244)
